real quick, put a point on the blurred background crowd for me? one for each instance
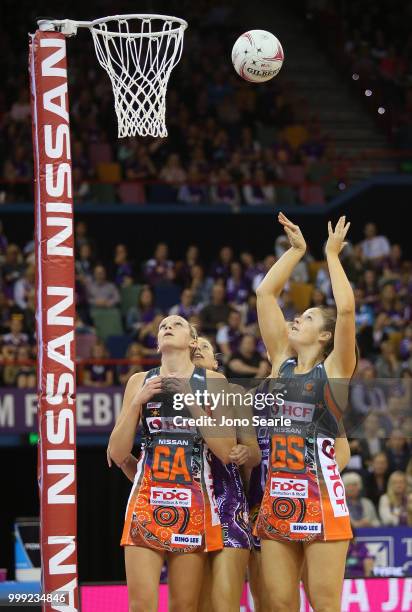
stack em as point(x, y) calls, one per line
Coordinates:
point(229, 143)
point(374, 40)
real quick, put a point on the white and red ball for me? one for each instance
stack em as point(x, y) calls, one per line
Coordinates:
point(257, 56)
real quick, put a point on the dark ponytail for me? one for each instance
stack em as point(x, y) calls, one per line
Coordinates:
point(329, 324)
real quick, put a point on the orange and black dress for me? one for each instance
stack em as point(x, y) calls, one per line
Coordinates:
point(172, 505)
point(304, 497)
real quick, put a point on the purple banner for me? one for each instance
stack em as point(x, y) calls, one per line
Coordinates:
point(96, 409)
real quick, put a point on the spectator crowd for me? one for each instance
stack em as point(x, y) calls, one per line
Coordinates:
point(229, 143)
point(374, 40)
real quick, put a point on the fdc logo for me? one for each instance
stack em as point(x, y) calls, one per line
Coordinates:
point(160, 496)
point(288, 487)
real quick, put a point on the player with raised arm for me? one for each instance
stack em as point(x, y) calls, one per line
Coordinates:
point(256, 480)
point(303, 516)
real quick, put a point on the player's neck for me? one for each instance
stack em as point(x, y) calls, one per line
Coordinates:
point(176, 363)
point(308, 357)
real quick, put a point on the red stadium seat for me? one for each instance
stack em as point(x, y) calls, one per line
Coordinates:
point(109, 172)
point(312, 195)
point(84, 345)
point(294, 175)
point(100, 152)
point(132, 193)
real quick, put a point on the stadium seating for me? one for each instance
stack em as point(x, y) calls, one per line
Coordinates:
point(131, 193)
point(100, 152)
point(301, 295)
point(117, 345)
point(109, 172)
point(312, 194)
point(108, 322)
point(167, 296)
point(84, 344)
point(128, 298)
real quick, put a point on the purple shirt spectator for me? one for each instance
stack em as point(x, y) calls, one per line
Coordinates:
point(224, 190)
point(357, 553)
point(122, 267)
point(97, 372)
point(229, 336)
point(14, 339)
point(144, 312)
point(221, 268)
point(3, 240)
point(405, 347)
point(12, 269)
point(159, 269)
point(185, 308)
point(236, 291)
point(101, 292)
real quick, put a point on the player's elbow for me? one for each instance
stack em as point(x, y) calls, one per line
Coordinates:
point(118, 457)
point(346, 310)
point(261, 291)
point(118, 451)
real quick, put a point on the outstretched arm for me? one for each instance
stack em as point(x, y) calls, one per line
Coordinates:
point(342, 360)
point(270, 317)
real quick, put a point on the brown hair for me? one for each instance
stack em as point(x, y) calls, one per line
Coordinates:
point(329, 323)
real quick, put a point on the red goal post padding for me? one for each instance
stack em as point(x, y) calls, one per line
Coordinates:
point(55, 312)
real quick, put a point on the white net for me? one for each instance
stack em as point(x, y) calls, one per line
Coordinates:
point(139, 53)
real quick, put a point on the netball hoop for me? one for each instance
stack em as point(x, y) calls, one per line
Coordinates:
point(138, 53)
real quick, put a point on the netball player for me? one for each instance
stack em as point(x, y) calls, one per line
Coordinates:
point(171, 510)
point(225, 572)
point(256, 479)
point(303, 516)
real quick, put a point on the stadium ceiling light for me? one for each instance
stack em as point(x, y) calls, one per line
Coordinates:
point(381, 110)
point(368, 92)
point(355, 76)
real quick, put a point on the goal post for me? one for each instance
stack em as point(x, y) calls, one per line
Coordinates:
point(55, 314)
point(138, 53)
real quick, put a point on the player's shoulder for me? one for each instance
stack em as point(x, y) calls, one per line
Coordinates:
point(236, 388)
point(136, 379)
point(214, 374)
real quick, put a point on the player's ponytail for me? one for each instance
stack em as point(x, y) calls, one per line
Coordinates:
point(194, 336)
point(329, 324)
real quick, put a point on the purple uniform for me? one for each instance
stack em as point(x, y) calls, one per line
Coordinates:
point(357, 553)
point(259, 473)
point(232, 504)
